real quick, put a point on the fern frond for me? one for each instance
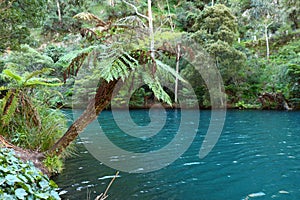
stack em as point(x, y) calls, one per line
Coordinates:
point(73, 61)
point(10, 104)
point(169, 69)
point(3, 88)
point(155, 86)
point(66, 60)
point(11, 75)
point(37, 73)
point(119, 68)
point(43, 82)
point(90, 17)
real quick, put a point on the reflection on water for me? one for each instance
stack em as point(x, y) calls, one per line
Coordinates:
point(256, 157)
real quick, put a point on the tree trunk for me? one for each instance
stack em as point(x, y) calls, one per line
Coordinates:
point(267, 42)
point(170, 18)
point(296, 24)
point(111, 3)
point(58, 10)
point(95, 106)
point(177, 71)
point(151, 32)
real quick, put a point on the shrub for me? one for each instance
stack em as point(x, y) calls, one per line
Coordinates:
point(19, 180)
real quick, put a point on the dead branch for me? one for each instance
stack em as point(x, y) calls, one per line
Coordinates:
point(136, 10)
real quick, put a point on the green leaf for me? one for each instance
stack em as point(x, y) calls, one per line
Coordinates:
point(12, 75)
point(37, 73)
point(169, 69)
point(2, 180)
point(44, 195)
point(44, 184)
point(55, 195)
point(40, 82)
point(53, 184)
point(3, 88)
point(23, 178)
point(27, 187)
point(4, 169)
point(7, 197)
point(12, 179)
point(20, 193)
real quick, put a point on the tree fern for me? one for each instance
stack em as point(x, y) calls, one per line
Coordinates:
point(73, 61)
point(30, 79)
point(9, 105)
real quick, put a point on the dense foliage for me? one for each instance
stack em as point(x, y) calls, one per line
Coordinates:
point(19, 180)
point(17, 19)
point(249, 68)
point(27, 119)
point(254, 44)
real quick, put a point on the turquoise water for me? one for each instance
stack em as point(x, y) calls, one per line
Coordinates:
point(258, 154)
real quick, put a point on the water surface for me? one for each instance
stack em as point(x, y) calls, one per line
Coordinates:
point(258, 153)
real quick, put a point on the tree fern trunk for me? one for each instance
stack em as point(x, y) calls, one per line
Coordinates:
point(95, 106)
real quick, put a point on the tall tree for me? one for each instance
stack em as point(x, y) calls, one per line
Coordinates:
point(216, 29)
point(60, 16)
point(265, 13)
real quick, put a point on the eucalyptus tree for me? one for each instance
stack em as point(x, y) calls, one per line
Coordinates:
point(263, 14)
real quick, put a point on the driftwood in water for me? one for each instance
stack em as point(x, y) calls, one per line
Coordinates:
point(274, 101)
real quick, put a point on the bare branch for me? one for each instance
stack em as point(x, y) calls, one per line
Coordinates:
point(136, 10)
point(104, 196)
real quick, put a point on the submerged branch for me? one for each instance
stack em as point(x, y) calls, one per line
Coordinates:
point(104, 195)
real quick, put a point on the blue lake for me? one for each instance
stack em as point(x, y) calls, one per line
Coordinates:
point(257, 154)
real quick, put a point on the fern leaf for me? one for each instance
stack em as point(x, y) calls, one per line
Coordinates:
point(157, 89)
point(119, 68)
point(43, 82)
point(169, 69)
point(90, 17)
point(37, 73)
point(9, 107)
point(2, 88)
point(9, 74)
point(67, 59)
point(73, 61)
